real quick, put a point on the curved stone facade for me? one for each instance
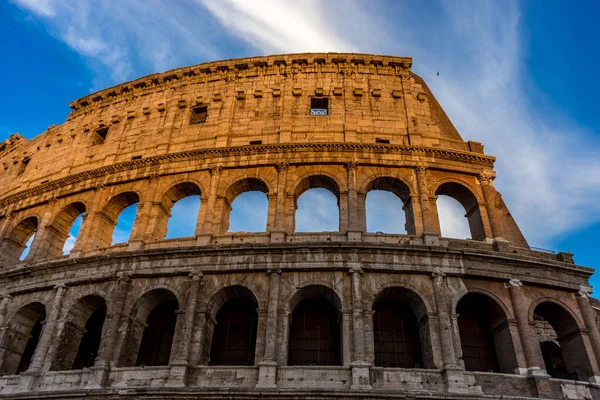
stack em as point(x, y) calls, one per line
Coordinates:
point(280, 313)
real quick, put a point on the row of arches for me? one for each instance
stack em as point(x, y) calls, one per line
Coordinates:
point(401, 332)
point(388, 208)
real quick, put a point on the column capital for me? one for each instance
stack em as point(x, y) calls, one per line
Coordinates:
point(513, 283)
point(282, 166)
point(584, 294)
point(420, 169)
point(215, 171)
point(351, 271)
point(351, 165)
point(486, 177)
point(278, 271)
point(437, 274)
point(196, 276)
point(60, 286)
point(5, 296)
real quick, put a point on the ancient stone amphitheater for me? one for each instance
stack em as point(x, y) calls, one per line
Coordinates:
point(349, 314)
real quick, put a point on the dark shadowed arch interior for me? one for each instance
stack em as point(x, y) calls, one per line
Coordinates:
point(320, 208)
point(469, 202)
point(485, 335)
point(21, 338)
point(151, 330)
point(381, 209)
point(58, 235)
point(401, 332)
point(170, 225)
point(563, 333)
point(234, 337)
point(12, 248)
point(246, 206)
point(82, 332)
point(315, 329)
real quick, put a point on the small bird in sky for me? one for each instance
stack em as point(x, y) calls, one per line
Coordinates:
point(438, 73)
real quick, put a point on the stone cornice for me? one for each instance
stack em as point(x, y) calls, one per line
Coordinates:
point(248, 67)
point(226, 151)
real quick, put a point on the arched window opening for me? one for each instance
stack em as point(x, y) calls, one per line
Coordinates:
point(246, 206)
point(65, 227)
point(16, 246)
point(155, 348)
point(27, 248)
point(401, 330)
point(561, 342)
point(21, 338)
point(315, 335)
point(451, 222)
point(183, 201)
point(234, 337)
point(151, 330)
point(388, 207)
point(124, 225)
point(73, 234)
point(485, 335)
point(81, 335)
point(317, 205)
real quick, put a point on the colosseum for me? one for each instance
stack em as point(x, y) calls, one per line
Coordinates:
point(349, 314)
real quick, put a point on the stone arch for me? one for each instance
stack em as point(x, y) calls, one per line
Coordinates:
point(467, 198)
point(14, 244)
point(505, 308)
point(315, 329)
point(485, 337)
point(58, 232)
point(399, 188)
point(556, 323)
point(21, 338)
point(314, 181)
point(79, 341)
point(107, 218)
point(168, 199)
point(151, 320)
point(232, 326)
point(237, 188)
point(401, 329)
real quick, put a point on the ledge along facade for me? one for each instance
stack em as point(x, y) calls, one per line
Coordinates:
point(345, 314)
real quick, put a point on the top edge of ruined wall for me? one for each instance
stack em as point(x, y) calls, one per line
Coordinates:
point(241, 64)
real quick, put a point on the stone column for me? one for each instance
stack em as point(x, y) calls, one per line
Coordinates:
point(106, 351)
point(3, 306)
point(179, 367)
point(282, 169)
point(360, 367)
point(529, 342)
point(456, 381)
point(353, 220)
point(28, 377)
point(88, 226)
point(444, 325)
point(487, 187)
point(209, 223)
point(267, 375)
point(589, 319)
point(430, 222)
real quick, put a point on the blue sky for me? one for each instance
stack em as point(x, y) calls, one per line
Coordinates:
point(521, 77)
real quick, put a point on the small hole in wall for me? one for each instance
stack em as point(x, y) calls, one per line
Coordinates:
point(136, 157)
point(100, 136)
point(199, 115)
point(256, 142)
point(382, 141)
